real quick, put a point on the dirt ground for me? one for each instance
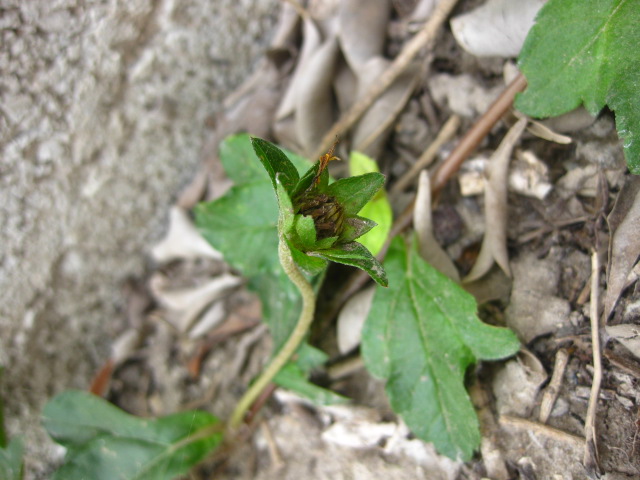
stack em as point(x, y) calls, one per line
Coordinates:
point(567, 198)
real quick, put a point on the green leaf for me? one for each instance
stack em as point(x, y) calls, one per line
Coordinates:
point(276, 162)
point(293, 378)
point(378, 209)
point(421, 335)
point(586, 51)
point(104, 442)
point(11, 460)
point(355, 255)
point(354, 192)
point(242, 225)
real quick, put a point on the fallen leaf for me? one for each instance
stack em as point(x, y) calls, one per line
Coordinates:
point(351, 319)
point(494, 244)
point(496, 28)
point(430, 250)
point(314, 99)
point(624, 243)
point(362, 30)
point(628, 335)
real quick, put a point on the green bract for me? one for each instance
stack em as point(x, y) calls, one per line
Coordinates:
point(320, 220)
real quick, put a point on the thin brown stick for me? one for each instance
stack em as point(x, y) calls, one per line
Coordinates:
point(475, 135)
point(445, 134)
point(591, 447)
point(551, 392)
point(421, 40)
point(540, 429)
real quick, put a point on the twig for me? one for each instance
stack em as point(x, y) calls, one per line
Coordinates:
point(421, 40)
point(445, 134)
point(591, 448)
point(475, 135)
point(541, 430)
point(551, 392)
point(272, 446)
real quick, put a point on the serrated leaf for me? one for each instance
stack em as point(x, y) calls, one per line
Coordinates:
point(276, 162)
point(378, 209)
point(11, 460)
point(421, 335)
point(354, 192)
point(355, 255)
point(104, 442)
point(586, 51)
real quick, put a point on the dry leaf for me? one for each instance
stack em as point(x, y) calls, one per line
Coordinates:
point(368, 136)
point(430, 250)
point(497, 28)
point(529, 176)
point(628, 335)
point(182, 240)
point(352, 318)
point(188, 303)
point(311, 40)
point(314, 98)
point(362, 30)
point(494, 244)
point(624, 243)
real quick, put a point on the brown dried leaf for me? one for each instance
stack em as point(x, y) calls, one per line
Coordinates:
point(624, 243)
point(314, 99)
point(430, 250)
point(494, 245)
point(311, 41)
point(362, 28)
point(628, 335)
point(368, 136)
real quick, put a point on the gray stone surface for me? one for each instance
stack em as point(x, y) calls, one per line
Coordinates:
point(103, 107)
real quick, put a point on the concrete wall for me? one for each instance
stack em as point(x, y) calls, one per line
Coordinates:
point(103, 107)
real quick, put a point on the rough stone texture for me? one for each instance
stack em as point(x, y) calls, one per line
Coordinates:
point(103, 107)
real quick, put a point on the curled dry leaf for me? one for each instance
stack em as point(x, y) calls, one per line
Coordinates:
point(628, 335)
point(362, 30)
point(368, 136)
point(497, 28)
point(189, 303)
point(314, 97)
point(311, 41)
point(352, 318)
point(182, 240)
point(209, 319)
point(624, 243)
point(494, 245)
point(430, 250)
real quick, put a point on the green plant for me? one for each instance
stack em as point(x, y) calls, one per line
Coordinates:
point(421, 336)
point(586, 52)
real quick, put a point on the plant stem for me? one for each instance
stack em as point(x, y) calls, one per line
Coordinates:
point(291, 345)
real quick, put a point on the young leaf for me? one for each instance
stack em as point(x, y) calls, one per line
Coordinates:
point(11, 460)
point(421, 335)
point(104, 442)
point(354, 192)
point(378, 209)
point(586, 51)
point(293, 378)
point(355, 255)
point(276, 162)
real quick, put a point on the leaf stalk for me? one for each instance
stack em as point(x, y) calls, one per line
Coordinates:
point(296, 337)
